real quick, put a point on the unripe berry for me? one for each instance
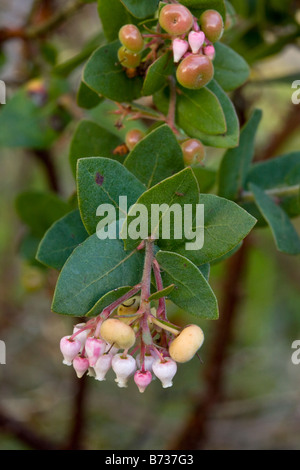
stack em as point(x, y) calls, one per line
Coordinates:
point(180, 47)
point(133, 137)
point(142, 379)
point(196, 40)
point(124, 367)
point(94, 348)
point(69, 349)
point(102, 366)
point(131, 38)
point(119, 334)
point(81, 365)
point(176, 19)
point(195, 71)
point(212, 25)
point(193, 151)
point(184, 347)
point(165, 371)
point(128, 59)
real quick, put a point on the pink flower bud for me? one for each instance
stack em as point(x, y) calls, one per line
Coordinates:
point(102, 366)
point(148, 361)
point(82, 337)
point(196, 40)
point(123, 367)
point(69, 349)
point(196, 26)
point(165, 371)
point(81, 365)
point(210, 52)
point(179, 49)
point(94, 348)
point(142, 379)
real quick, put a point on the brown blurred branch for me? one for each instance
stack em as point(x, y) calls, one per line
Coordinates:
point(195, 430)
point(77, 429)
point(45, 157)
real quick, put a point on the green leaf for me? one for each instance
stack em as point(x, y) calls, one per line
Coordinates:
point(192, 292)
point(156, 157)
point(206, 177)
point(205, 270)
point(202, 5)
point(157, 73)
point(200, 109)
point(157, 203)
point(236, 162)
point(39, 210)
point(87, 98)
point(108, 299)
point(231, 70)
point(91, 140)
point(28, 248)
point(60, 240)
point(161, 293)
point(113, 16)
point(286, 238)
point(95, 268)
point(225, 225)
point(141, 8)
point(102, 181)
point(104, 74)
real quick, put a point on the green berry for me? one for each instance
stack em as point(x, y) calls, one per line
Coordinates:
point(128, 59)
point(131, 38)
point(195, 71)
point(193, 151)
point(133, 137)
point(176, 19)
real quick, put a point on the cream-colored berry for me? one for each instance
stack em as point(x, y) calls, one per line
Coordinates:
point(184, 347)
point(116, 332)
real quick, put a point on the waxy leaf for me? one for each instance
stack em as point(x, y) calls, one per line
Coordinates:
point(102, 181)
point(87, 98)
point(91, 140)
point(231, 70)
point(95, 268)
point(199, 6)
point(107, 300)
point(156, 157)
point(105, 75)
point(161, 293)
point(141, 8)
point(157, 73)
point(286, 238)
point(192, 291)
point(236, 162)
point(113, 16)
point(61, 239)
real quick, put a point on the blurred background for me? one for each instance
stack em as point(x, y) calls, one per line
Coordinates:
point(245, 394)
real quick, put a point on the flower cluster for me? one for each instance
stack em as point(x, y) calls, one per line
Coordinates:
point(104, 342)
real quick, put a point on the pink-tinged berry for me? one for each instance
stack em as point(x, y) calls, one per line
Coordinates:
point(94, 348)
point(180, 47)
point(212, 25)
point(195, 71)
point(69, 349)
point(128, 59)
point(196, 41)
point(131, 38)
point(81, 365)
point(165, 371)
point(102, 366)
point(210, 52)
point(142, 379)
point(123, 367)
point(176, 19)
point(133, 137)
point(148, 361)
point(193, 151)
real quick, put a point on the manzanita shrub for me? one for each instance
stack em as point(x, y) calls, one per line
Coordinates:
point(164, 63)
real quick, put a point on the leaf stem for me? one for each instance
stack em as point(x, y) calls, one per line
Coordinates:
point(288, 191)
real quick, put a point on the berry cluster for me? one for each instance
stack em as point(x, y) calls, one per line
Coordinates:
point(94, 346)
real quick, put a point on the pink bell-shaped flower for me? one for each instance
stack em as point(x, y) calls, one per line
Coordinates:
point(81, 365)
point(165, 371)
point(148, 362)
point(69, 349)
point(124, 367)
point(94, 348)
point(210, 52)
point(142, 379)
point(180, 47)
point(102, 366)
point(196, 40)
point(82, 336)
